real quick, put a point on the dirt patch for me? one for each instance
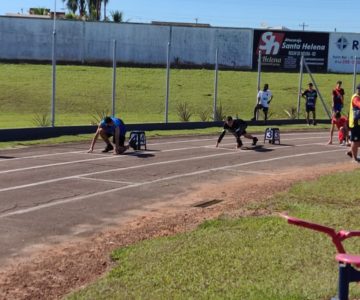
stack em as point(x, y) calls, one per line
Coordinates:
point(51, 272)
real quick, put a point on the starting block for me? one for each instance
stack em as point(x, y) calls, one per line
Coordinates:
point(137, 139)
point(272, 135)
point(348, 264)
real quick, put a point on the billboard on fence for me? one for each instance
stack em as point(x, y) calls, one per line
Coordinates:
point(343, 47)
point(282, 50)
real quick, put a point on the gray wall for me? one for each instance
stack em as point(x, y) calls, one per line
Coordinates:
point(77, 41)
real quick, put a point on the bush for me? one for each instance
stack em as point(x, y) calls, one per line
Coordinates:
point(41, 120)
point(219, 113)
point(183, 111)
point(291, 113)
point(204, 115)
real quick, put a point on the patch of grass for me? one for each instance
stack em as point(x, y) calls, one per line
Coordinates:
point(246, 258)
point(140, 95)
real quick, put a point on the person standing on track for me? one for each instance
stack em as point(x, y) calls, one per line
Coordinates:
point(354, 116)
point(238, 128)
point(310, 96)
point(264, 98)
point(341, 123)
point(338, 97)
point(111, 127)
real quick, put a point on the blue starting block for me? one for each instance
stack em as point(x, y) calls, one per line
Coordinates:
point(137, 139)
point(272, 135)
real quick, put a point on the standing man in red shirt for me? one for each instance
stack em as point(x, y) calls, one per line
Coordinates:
point(354, 116)
point(338, 97)
point(341, 123)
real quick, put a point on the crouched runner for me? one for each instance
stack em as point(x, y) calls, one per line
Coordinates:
point(111, 127)
point(238, 128)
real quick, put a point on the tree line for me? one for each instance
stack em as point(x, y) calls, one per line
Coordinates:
point(91, 9)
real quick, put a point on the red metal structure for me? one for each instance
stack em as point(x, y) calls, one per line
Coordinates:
point(347, 262)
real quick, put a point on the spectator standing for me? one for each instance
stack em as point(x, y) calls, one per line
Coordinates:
point(310, 96)
point(338, 97)
point(264, 98)
point(354, 116)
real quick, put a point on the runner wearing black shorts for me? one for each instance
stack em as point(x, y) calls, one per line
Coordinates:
point(238, 128)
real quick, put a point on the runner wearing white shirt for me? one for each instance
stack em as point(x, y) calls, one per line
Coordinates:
point(264, 97)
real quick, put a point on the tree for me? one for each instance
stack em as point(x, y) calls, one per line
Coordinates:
point(93, 7)
point(117, 16)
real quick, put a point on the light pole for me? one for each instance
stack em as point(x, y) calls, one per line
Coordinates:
point(53, 70)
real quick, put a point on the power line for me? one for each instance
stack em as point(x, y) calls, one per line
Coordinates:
point(303, 25)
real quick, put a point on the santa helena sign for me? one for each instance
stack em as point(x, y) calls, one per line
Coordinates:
point(282, 50)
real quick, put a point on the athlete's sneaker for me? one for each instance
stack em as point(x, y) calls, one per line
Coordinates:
point(239, 145)
point(349, 153)
point(255, 140)
point(108, 148)
point(253, 119)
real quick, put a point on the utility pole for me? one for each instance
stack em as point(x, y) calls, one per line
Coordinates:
point(303, 25)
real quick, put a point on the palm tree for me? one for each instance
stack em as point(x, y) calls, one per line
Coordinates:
point(94, 7)
point(105, 2)
point(72, 5)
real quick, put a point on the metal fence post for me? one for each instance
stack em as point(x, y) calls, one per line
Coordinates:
point(114, 79)
point(53, 54)
point(354, 76)
point(216, 78)
point(258, 82)
point(300, 84)
point(167, 83)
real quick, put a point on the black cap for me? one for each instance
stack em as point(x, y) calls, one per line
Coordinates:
point(358, 87)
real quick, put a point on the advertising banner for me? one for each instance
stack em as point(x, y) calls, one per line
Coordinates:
point(343, 47)
point(282, 50)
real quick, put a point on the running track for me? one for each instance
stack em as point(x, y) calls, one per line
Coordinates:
point(53, 192)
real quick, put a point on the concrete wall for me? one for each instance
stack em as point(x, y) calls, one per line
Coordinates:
point(77, 41)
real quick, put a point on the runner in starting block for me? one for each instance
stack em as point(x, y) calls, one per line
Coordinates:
point(111, 127)
point(238, 128)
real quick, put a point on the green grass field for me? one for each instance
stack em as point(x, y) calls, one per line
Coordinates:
point(84, 92)
point(247, 258)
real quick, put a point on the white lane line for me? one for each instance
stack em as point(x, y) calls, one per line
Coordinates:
point(229, 137)
point(43, 155)
point(58, 164)
point(132, 154)
point(254, 172)
point(104, 180)
point(113, 170)
point(74, 199)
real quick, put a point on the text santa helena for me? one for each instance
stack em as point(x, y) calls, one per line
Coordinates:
point(304, 46)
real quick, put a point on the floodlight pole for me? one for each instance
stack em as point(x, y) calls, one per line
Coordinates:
point(300, 84)
point(167, 83)
point(216, 84)
point(114, 79)
point(258, 82)
point(53, 94)
point(354, 76)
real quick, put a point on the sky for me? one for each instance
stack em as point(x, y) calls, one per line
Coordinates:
point(310, 15)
